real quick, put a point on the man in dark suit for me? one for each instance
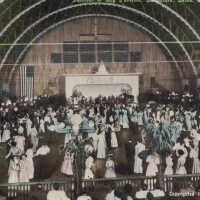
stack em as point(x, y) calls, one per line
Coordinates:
point(130, 151)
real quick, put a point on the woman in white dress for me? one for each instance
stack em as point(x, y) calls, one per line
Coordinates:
point(110, 168)
point(138, 161)
point(153, 161)
point(14, 170)
point(125, 118)
point(114, 141)
point(20, 142)
point(42, 127)
point(169, 171)
point(23, 173)
point(89, 164)
point(14, 150)
point(34, 137)
point(67, 165)
point(169, 165)
point(180, 169)
point(194, 152)
point(28, 125)
point(29, 162)
point(13, 175)
point(6, 132)
point(101, 143)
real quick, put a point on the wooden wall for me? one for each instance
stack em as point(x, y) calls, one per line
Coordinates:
point(45, 72)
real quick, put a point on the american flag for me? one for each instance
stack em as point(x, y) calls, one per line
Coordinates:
point(27, 81)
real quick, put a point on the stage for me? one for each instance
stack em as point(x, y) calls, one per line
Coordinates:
point(102, 83)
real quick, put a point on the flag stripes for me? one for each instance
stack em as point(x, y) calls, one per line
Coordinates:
point(27, 81)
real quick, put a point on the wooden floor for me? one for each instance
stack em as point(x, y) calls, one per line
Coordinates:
point(119, 155)
point(48, 167)
point(44, 166)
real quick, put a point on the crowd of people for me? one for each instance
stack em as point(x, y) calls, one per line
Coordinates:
point(166, 129)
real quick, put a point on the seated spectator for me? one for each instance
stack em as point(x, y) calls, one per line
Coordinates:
point(56, 194)
point(142, 193)
point(128, 192)
point(189, 188)
point(84, 195)
point(157, 192)
point(38, 193)
point(111, 195)
point(149, 196)
point(118, 195)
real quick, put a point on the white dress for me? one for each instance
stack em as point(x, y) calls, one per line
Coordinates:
point(5, 135)
point(29, 163)
point(101, 146)
point(138, 161)
point(196, 162)
point(20, 142)
point(34, 138)
point(169, 171)
point(67, 165)
point(42, 129)
point(89, 163)
point(125, 119)
point(13, 171)
point(181, 165)
point(23, 173)
point(169, 163)
point(110, 169)
point(114, 142)
point(28, 126)
point(153, 162)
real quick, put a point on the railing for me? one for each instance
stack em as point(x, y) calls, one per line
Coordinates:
point(171, 186)
point(176, 182)
point(121, 182)
point(26, 191)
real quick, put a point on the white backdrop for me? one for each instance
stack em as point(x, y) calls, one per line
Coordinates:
point(108, 84)
point(94, 90)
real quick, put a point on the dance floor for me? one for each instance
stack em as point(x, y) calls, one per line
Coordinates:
point(48, 167)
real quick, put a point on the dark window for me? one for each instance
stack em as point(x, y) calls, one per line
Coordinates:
point(135, 56)
point(56, 58)
point(104, 46)
point(87, 46)
point(30, 71)
point(120, 56)
point(105, 57)
point(153, 82)
point(87, 57)
point(69, 46)
point(70, 57)
point(120, 46)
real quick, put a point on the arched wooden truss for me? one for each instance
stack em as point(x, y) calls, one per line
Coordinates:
point(24, 21)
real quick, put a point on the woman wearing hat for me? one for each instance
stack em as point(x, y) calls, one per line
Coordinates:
point(180, 169)
point(89, 164)
point(101, 142)
point(110, 168)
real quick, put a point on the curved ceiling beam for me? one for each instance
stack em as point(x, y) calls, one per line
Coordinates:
point(106, 4)
point(178, 16)
point(92, 15)
point(6, 9)
point(19, 15)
